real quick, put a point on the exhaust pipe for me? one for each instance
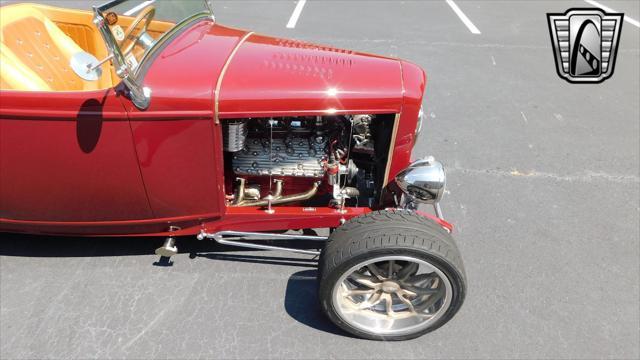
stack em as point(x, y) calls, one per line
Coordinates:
point(239, 192)
point(277, 199)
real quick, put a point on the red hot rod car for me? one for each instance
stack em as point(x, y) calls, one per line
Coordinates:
point(151, 119)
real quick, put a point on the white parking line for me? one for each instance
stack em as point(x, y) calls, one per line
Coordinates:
point(138, 8)
point(608, 9)
point(463, 17)
point(296, 14)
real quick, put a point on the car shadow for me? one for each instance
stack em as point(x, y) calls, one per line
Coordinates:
point(301, 298)
point(301, 302)
point(301, 295)
point(68, 246)
point(268, 260)
point(89, 124)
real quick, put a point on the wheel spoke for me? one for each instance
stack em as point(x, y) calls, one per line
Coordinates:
point(375, 299)
point(407, 271)
point(359, 292)
point(388, 304)
point(421, 279)
point(372, 301)
point(430, 301)
point(406, 302)
point(418, 291)
point(373, 269)
point(368, 281)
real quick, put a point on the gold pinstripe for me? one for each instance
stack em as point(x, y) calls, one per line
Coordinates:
point(222, 73)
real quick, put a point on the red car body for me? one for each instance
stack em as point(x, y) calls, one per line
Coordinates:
point(91, 163)
point(201, 129)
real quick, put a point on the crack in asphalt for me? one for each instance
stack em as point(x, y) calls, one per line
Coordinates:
point(586, 176)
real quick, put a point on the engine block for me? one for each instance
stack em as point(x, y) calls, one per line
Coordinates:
point(290, 156)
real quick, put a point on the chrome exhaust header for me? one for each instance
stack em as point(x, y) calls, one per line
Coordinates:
point(276, 198)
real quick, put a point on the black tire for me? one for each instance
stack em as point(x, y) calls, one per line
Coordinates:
point(384, 233)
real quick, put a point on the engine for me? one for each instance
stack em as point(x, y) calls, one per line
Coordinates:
point(320, 155)
point(283, 147)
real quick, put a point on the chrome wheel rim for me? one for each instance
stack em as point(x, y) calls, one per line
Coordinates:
point(392, 295)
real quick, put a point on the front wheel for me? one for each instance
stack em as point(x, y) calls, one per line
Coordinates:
point(391, 275)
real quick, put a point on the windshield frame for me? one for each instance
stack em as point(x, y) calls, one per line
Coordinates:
point(133, 78)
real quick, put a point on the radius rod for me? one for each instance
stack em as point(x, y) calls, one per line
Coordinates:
point(233, 239)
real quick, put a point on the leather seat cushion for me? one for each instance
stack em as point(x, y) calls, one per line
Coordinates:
point(35, 54)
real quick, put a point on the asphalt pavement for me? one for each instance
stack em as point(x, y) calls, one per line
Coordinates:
point(544, 191)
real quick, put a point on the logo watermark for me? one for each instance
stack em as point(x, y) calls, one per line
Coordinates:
point(585, 43)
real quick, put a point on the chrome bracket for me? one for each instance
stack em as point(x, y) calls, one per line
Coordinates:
point(238, 238)
point(438, 210)
point(169, 248)
point(408, 203)
point(269, 202)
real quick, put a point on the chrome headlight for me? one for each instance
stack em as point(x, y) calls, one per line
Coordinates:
point(424, 180)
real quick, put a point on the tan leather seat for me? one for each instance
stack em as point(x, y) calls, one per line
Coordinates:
point(35, 53)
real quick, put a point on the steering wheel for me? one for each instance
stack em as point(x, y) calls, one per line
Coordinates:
point(131, 37)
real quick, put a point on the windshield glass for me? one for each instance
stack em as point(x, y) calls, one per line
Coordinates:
point(138, 25)
point(133, 29)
